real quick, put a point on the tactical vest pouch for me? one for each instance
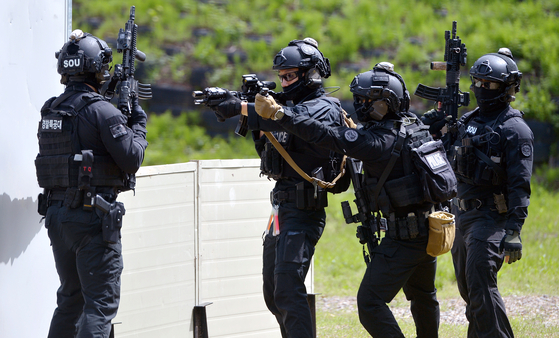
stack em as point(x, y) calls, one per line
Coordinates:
point(435, 173)
point(485, 174)
point(500, 203)
point(42, 204)
point(404, 191)
point(465, 161)
point(406, 228)
point(73, 198)
point(52, 171)
point(306, 199)
point(271, 163)
point(441, 233)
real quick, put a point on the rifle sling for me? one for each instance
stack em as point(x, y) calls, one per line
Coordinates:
point(315, 181)
point(394, 156)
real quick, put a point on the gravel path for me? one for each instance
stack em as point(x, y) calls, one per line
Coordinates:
point(546, 308)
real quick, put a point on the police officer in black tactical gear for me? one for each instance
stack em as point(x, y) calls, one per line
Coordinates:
point(492, 156)
point(88, 153)
point(381, 102)
point(290, 240)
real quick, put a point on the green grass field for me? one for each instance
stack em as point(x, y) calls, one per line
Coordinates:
point(339, 267)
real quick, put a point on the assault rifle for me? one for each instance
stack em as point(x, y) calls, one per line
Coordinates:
point(123, 78)
point(449, 98)
point(367, 231)
point(212, 96)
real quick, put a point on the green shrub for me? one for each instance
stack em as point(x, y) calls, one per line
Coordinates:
point(547, 177)
point(352, 34)
point(181, 139)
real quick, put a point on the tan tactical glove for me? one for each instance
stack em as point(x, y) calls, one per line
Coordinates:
point(349, 122)
point(267, 107)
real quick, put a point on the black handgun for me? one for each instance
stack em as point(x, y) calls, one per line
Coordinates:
point(101, 204)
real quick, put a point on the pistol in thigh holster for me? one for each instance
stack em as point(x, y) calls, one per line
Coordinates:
point(111, 221)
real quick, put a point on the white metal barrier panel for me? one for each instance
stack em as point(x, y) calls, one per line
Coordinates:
point(192, 234)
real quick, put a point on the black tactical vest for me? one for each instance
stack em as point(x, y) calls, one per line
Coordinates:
point(428, 178)
point(274, 166)
point(477, 157)
point(60, 153)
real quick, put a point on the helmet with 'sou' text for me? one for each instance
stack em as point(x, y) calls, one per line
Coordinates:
point(84, 58)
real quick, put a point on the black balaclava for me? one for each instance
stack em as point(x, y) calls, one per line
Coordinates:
point(490, 101)
point(298, 91)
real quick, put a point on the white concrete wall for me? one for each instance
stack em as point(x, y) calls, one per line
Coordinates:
point(30, 32)
point(193, 234)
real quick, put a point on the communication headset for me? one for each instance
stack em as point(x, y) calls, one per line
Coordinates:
point(394, 103)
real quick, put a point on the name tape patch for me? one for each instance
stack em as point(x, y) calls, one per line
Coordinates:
point(51, 124)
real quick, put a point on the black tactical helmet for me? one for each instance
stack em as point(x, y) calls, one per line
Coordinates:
point(386, 90)
point(84, 58)
point(303, 54)
point(499, 67)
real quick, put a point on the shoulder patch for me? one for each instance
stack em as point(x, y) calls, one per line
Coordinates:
point(351, 135)
point(118, 130)
point(526, 149)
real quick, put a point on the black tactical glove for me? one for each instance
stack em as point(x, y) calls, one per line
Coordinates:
point(436, 120)
point(512, 245)
point(138, 116)
point(228, 108)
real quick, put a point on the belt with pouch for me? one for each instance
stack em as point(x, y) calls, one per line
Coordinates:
point(304, 198)
point(407, 227)
point(71, 195)
point(56, 195)
point(474, 203)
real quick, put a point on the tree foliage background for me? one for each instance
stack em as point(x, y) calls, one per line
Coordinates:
point(229, 38)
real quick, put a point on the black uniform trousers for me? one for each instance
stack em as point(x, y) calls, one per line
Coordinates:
point(397, 264)
point(477, 261)
point(89, 270)
point(286, 261)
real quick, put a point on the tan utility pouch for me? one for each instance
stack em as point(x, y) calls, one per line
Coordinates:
point(441, 233)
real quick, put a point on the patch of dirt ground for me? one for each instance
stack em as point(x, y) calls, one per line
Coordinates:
point(452, 310)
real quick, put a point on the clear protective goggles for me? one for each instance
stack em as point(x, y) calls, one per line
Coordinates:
point(288, 76)
point(485, 84)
